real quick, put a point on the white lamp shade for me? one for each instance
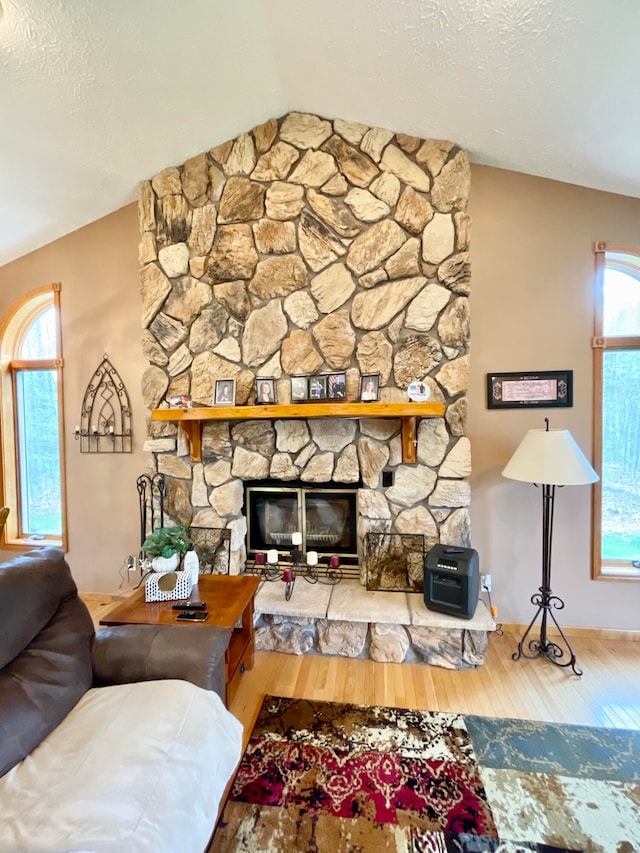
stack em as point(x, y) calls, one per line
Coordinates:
point(550, 457)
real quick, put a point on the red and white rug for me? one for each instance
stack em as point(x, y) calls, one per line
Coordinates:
point(338, 778)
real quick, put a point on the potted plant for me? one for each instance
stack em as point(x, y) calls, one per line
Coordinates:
point(165, 546)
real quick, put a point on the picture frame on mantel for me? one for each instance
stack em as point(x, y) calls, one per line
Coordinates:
point(337, 386)
point(318, 388)
point(225, 392)
point(369, 387)
point(299, 389)
point(265, 390)
point(548, 389)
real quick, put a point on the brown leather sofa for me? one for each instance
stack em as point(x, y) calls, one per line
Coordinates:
point(60, 682)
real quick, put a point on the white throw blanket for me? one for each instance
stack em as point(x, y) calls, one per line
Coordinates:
point(136, 767)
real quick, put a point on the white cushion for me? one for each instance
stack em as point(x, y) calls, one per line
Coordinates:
point(136, 767)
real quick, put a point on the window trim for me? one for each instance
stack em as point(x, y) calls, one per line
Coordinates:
point(15, 323)
point(608, 570)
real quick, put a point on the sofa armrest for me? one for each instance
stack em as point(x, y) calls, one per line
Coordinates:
point(126, 653)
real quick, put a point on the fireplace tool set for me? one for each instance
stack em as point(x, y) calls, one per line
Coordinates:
point(271, 568)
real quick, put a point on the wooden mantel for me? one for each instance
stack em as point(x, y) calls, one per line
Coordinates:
point(409, 413)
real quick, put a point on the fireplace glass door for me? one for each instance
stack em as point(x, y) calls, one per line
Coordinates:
point(326, 518)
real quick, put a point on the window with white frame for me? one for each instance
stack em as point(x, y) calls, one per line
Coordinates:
point(32, 446)
point(616, 515)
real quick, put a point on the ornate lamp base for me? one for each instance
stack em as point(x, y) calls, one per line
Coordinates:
point(542, 646)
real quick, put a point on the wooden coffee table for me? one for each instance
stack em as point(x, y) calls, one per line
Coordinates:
point(229, 601)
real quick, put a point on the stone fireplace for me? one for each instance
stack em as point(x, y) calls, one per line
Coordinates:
point(309, 246)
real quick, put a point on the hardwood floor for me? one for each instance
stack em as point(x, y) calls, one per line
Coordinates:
point(608, 694)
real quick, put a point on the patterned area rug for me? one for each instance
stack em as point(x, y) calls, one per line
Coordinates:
point(336, 778)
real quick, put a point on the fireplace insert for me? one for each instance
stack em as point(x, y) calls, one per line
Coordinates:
point(325, 516)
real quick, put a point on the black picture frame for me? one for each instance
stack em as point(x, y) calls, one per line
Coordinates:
point(318, 388)
point(225, 392)
point(299, 389)
point(544, 389)
point(369, 387)
point(337, 386)
point(265, 390)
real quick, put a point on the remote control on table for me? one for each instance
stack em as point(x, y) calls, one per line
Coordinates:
point(193, 615)
point(189, 605)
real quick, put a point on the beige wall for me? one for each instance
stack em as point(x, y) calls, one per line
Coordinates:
point(97, 267)
point(532, 267)
point(532, 309)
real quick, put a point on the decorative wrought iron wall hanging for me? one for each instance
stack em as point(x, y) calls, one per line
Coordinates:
point(105, 425)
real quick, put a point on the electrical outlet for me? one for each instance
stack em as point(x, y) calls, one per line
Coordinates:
point(486, 583)
point(131, 564)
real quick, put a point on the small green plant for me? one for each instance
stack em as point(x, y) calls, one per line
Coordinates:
point(166, 541)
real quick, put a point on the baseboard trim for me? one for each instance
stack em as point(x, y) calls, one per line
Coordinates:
point(593, 633)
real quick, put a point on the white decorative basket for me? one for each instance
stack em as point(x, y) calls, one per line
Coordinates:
point(182, 589)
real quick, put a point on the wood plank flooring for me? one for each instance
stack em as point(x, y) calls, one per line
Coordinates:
point(608, 694)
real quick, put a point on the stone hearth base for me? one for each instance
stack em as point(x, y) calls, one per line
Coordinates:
point(348, 620)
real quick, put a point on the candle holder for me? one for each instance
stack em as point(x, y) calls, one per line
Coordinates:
point(289, 580)
point(270, 566)
point(273, 565)
point(105, 419)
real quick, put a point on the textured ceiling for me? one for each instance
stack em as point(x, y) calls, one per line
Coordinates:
point(96, 95)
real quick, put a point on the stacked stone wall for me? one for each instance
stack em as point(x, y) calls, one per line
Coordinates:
point(384, 642)
point(311, 246)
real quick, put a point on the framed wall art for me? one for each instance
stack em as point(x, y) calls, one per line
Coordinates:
point(544, 389)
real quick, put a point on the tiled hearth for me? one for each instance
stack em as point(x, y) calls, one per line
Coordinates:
point(348, 620)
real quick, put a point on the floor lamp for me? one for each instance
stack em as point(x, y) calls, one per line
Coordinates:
point(548, 458)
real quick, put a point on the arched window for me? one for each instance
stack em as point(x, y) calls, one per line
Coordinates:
point(32, 440)
point(616, 515)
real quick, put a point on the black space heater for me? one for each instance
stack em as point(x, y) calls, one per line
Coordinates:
point(452, 580)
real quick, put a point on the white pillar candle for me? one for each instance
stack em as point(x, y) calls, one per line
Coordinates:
point(296, 538)
point(272, 556)
point(312, 558)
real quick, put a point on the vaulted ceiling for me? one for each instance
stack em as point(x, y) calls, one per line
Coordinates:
point(96, 95)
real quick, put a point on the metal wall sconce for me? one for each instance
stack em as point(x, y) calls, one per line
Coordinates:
point(105, 425)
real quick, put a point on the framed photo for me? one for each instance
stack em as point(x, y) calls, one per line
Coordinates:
point(318, 388)
point(545, 389)
point(337, 386)
point(225, 393)
point(180, 401)
point(369, 387)
point(299, 389)
point(265, 390)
